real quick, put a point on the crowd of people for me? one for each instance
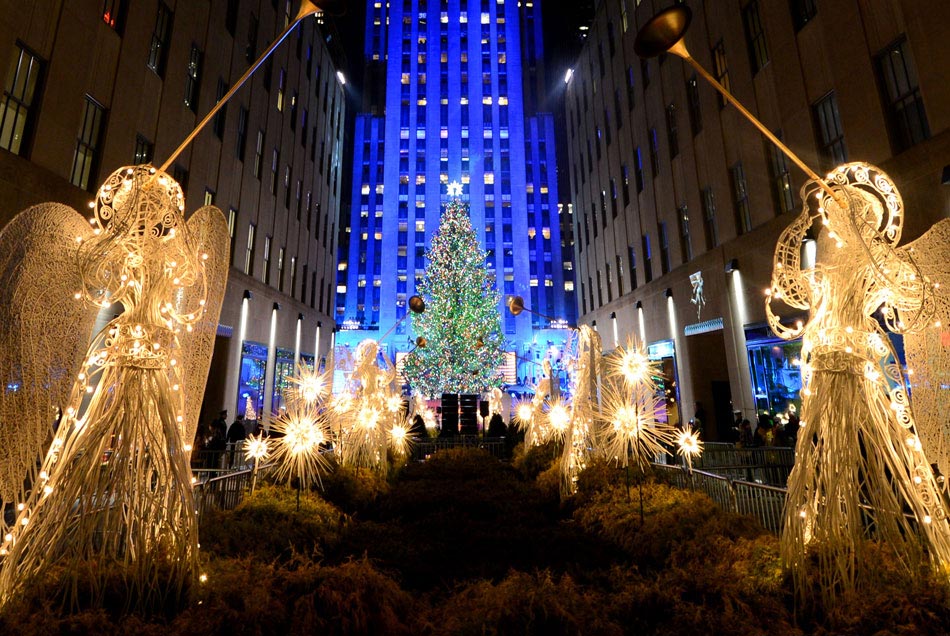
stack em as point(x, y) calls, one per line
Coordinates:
point(218, 445)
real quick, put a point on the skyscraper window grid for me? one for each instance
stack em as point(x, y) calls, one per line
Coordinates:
point(463, 84)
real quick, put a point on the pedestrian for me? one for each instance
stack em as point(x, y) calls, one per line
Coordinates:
point(236, 436)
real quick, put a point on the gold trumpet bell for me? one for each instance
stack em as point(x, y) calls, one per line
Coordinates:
point(664, 33)
point(330, 7)
point(515, 305)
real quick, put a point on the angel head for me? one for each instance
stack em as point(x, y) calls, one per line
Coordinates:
point(868, 207)
point(141, 248)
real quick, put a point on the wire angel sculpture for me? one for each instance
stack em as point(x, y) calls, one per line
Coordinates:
point(114, 487)
point(368, 416)
point(860, 466)
point(584, 407)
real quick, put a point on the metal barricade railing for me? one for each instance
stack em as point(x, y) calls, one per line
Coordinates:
point(225, 492)
point(765, 465)
point(495, 446)
point(763, 502)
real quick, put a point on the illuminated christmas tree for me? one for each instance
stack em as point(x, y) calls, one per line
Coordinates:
point(461, 324)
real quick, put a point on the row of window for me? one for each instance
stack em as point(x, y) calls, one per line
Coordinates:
point(323, 289)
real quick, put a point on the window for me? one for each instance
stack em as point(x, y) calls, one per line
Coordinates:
point(686, 243)
point(721, 69)
point(232, 229)
point(265, 270)
point(144, 149)
point(740, 196)
point(193, 78)
point(86, 159)
point(249, 254)
point(902, 102)
point(209, 196)
point(274, 169)
point(647, 258)
point(632, 254)
point(161, 36)
point(220, 118)
point(654, 153)
point(619, 276)
point(230, 16)
point(709, 218)
point(755, 36)
point(692, 100)
point(830, 136)
point(180, 174)
point(293, 275)
point(280, 269)
point(665, 262)
point(18, 109)
point(638, 169)
point(671, 131)
point(613, 198)
point(631, 101)
point(802, 12)
point(259, 153)
point(113, 14)
point(250, 49)
point(625, 177)
point(781, 181)
point(241, 144)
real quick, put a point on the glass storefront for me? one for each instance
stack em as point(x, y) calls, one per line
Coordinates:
point(776, 374)
point(283, 371)
point(775, 366)
point(251, 382)
point(663, 352)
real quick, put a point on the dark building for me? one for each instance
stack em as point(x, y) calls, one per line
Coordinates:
point(93, 85)
point(677, 196)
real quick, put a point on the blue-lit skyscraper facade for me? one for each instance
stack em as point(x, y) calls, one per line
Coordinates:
point(452, 94)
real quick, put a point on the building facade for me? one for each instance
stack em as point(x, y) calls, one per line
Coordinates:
point(679, 200)
point(94, 85)
point(454, 92)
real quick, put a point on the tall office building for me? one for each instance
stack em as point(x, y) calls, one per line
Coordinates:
point(93, 86)
point(453, 93)
point(679, 201)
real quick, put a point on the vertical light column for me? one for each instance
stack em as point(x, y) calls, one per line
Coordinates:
point(677, 349)
point(270, 368)
point(242, 335)
point(316, 348)
point(641, 323)
point(297, 341)
point(739, 318)
point(613, 319)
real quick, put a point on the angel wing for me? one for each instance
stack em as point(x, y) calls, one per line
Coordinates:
point(209, 229)
point(928, 350)
point(44, 333)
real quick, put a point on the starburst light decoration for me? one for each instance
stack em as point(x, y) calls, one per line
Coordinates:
point(632, 428)
point(688, 445)
point(133, 405)
point(256, 448)
point(860, 462)
point(300, 436)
